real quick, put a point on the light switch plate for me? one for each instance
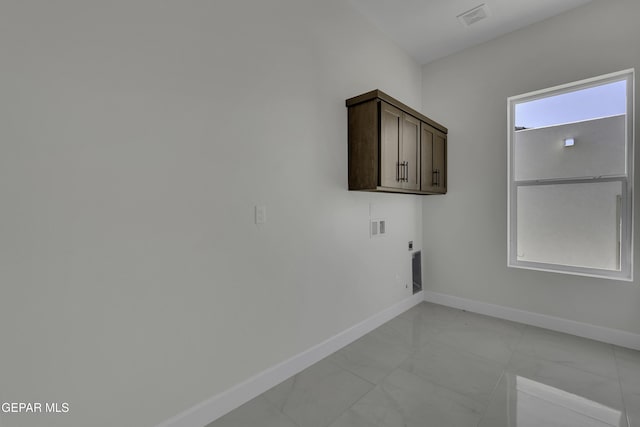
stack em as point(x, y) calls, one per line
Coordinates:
point(261, 214)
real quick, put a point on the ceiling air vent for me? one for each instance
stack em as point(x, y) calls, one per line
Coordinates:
point(474, 15)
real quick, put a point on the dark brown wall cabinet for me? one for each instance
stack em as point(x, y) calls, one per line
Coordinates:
point(393, 148)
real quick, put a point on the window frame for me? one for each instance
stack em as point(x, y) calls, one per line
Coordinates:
point(627, 205)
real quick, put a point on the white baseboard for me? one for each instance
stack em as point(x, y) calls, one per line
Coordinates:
point(220, 404)
point(585, 330)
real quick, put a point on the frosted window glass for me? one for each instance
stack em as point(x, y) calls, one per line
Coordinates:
point(570, 224)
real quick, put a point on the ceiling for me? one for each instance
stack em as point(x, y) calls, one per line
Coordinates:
point(429, 29)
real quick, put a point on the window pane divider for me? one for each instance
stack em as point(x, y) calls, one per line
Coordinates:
point(580, 180)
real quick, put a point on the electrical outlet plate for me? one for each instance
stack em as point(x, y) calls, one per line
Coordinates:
point(377, 227)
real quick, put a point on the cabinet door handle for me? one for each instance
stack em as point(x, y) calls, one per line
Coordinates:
point(407, 165)
point(434, 177)
point(397, 171)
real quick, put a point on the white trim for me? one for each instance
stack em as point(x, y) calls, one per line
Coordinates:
point(598, 80)
point(222, 403)
point(585, 330)
point(567, 269)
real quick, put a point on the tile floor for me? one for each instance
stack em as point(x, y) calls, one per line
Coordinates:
point(438, 366)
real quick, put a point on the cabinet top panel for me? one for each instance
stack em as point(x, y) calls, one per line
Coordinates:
point(378, 94)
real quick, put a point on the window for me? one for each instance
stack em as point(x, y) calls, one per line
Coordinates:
point(570, 178)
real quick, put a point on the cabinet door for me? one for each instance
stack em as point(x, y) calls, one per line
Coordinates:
point(410, 153)
point(390, 139)
point(428, 179)
point(440, 161)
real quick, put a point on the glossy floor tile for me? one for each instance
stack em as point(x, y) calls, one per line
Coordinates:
point(318, 395)
point(628, 362)
point(422, 322)
point(257, 412)
point(463, 372)
point(521, 402)
point(404, 399)
point(577, 352)
point(375, 355)
point(483, 336)
point(438, 366)
point(597, 388)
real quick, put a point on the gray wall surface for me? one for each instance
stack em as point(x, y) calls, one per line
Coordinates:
point(136, 138)
point(468, 92)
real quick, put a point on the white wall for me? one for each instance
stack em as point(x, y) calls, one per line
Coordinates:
point(599, 150)
point(136, 138)
point(468, 92)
